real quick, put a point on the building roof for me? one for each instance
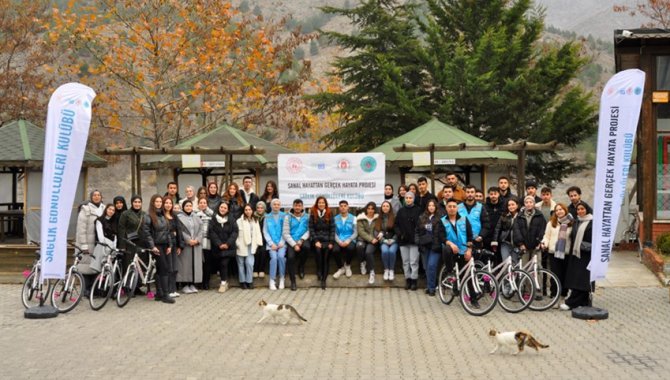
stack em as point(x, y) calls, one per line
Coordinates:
point(639, 37)
point(439, 133)
point(22, 145)
point(227, 137)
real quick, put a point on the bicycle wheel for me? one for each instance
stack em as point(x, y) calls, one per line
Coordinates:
point(67, 293)
point(102, 289)
point(479, 297)
point(548, 292)
point(446, 286)
point(516, 292)
point(32, 296)
point(127, 289)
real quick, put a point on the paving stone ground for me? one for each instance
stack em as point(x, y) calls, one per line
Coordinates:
point(350, 333)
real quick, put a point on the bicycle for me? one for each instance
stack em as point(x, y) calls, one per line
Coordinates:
point(137, 270)
point(35, 291)
point(540, 277)
point(516, 285)
point(477, 289)
point(109, 278)
point(68, 291)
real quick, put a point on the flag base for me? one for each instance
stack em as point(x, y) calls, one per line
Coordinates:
point(40, 312)
point(590, 312)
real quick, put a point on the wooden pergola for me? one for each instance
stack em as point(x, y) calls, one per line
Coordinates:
point(520, 148)
point(136, 154)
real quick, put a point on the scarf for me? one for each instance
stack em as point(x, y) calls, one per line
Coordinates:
point(583, 223)
point(321, 212)
point(529, 215)
point(260, 217)
point(222, 219)
point(562, 236)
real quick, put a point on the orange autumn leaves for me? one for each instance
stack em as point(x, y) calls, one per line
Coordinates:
point(166, 70)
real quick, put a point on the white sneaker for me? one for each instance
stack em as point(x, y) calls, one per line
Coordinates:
point(386, 274)
point(174, 294)
point(371, 280)
point(272, 285)
point(363, 270)
point(391, 275)
point(338, 273)
point(223, 287)
point(347, 270)
point(186, 289)
point(281, 283)
point(193, 289)
point(564, 307)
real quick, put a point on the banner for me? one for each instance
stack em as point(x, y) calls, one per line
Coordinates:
point(620, 105)
point(68, 121)
point(358, 178)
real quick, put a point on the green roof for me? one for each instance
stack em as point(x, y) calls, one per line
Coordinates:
point(222, 136)
point(22, 145)
point(440, 134)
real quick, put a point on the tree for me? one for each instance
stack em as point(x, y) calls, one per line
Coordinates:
point(489, 75)
point(381, 78)
point(167, 70)
point(658, 11)
point(25, 79)
point(476, 64)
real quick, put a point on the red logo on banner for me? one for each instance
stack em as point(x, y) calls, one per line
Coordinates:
point(294, 165)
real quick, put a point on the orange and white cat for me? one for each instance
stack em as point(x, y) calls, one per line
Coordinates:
point(515, 338)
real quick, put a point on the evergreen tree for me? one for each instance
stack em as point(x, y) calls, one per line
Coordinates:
point(244, 6)
point(491, 77)
point(381, 77)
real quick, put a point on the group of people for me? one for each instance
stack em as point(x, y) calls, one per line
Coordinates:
point(201, 233)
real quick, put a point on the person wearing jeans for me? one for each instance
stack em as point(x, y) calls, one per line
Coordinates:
point(425, 230)
point(405, 226)
point(275, 243)
point(248, 240)
point(367, 238)
point(387, 243)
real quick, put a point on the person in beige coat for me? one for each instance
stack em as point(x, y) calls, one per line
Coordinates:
point(248, 240)
point(189, 261)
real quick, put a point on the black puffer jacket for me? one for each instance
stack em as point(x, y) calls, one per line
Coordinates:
point(225, 233)
point(321, 230)
point(158, 234)
point(531, 234)
point(405, 224)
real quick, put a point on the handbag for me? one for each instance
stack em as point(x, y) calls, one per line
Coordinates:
point(425, 239)
point(585, 246)
point(134, 236)
point(84, 266)
point(98, 257)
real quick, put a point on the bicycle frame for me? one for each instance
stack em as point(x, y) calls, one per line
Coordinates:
point(531, 268)
point(144, 269)
point(502, 269)
point(467, 272)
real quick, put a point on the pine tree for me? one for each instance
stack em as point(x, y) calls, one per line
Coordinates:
point(381, 77)
point(490, 76)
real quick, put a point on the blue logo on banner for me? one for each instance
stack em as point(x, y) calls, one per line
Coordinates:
point(638, 90)
point(368, 164)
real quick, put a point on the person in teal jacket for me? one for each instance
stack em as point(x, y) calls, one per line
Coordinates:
point(275, 243)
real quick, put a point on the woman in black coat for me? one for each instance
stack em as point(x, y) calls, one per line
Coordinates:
point(223, 233)
point(322, 236)
point(405, 228)
point(529, 228)
point(578, 277)
point(156, 231)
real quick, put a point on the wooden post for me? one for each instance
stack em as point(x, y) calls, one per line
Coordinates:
point(133, 179)
point(521, 171)
point(647, 148)
point(432, 168)
point(138, 172)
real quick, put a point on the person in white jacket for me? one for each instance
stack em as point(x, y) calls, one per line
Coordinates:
point(556, 242)
point(248, 240)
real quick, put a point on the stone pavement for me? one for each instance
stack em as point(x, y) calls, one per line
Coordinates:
point(350, 333)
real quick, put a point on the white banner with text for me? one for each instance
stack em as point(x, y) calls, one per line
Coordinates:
point(68, 122)
point(358, 178)
point(620, 105)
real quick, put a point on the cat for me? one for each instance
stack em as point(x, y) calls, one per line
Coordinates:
point(283, 311)
point(515, 338)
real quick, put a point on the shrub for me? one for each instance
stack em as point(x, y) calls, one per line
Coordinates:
point(663, 244)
